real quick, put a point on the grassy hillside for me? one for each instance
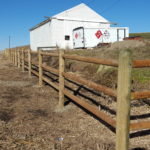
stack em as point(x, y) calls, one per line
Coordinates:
point(145, 35)
point(104, 74)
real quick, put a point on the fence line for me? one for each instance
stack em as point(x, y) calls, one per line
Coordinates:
point(23, 58)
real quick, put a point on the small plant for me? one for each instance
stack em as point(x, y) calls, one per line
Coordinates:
point(141, 75)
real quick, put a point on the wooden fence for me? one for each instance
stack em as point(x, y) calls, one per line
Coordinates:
point(122, 124)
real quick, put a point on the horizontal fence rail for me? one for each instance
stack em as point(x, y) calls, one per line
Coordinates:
point(51, 83)
point(141, 63)
point(140, 125)
point(91, 108)
point(50, 69)
point(107, 62)
point(90, 84)
point(140, 95)
point(49, 54)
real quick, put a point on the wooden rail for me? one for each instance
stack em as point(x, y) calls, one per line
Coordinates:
point(35, 72)
point(140, 125)
point(49, 54)
point(90, 84)
point(34, 52)
point(123, 94)
point(91, 108)
point(51, 83)
point(107, 62)
point(141, 63)
point(140, 95)
point(50, 69)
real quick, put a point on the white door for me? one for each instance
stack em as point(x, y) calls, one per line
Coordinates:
point(78, 38)
point(121, 34)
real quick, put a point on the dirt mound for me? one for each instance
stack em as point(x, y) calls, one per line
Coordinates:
point(128, 44)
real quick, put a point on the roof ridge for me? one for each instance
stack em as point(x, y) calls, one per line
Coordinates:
point(69, 9)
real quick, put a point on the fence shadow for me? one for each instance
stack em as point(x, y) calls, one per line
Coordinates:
point(143, 116)
point(78, 92)
point(102, 107)
point(139, 148)
point(92, 115)
point(147, 102)
point(140, 133)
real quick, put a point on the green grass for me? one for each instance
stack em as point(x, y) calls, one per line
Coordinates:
point(141, 75)
point(145, 35)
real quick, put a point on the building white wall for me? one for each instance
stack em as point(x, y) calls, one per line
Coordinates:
point(41, 36)
point(68, 27)
point(108, 35)
point(57, 35)
point(53, 33)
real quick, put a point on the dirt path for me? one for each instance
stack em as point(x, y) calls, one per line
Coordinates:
point(29, 120)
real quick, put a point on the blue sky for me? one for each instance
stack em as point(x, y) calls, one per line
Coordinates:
point(18, 16)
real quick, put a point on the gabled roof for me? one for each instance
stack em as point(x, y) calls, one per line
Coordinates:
point(80, 12)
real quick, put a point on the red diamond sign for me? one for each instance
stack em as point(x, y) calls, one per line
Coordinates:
point(76, 35)
point(98, 34)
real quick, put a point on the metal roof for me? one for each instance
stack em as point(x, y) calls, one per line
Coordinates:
point(41, 23)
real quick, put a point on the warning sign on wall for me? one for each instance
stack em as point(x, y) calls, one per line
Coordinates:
point(98, 34)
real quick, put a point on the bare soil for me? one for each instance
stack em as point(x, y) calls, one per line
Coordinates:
point(29, 119)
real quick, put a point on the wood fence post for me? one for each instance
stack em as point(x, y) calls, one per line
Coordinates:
point(18, 58)
point(5, 52)
point(123, 100)
point(12, 56)
point(61, 79)
point(9, 54)
point(15, 57)
point(22, 57)
point(29, 62)
point(40, 68)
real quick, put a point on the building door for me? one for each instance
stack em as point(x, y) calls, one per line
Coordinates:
point(78, 38)
point(120, 34)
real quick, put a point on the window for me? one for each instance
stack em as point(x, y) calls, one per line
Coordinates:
point(67, 37)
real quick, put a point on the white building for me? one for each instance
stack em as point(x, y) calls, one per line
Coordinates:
point(57, 31)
